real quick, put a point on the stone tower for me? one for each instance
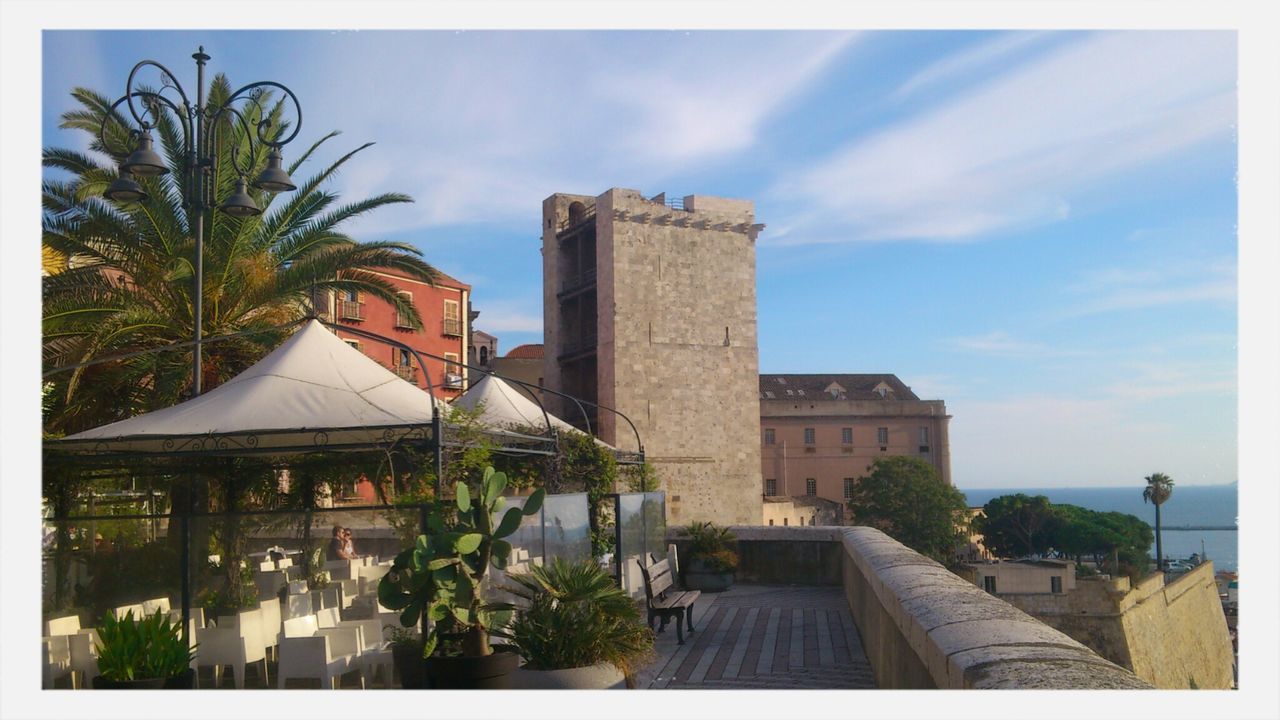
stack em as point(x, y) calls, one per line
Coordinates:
point(649, 307)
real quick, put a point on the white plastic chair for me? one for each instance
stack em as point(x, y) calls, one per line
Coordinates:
point(349, 590)
point(236, 641)
point(370, 576)
point(81, 647)
point(123, 610)
point(375, 653)
point(149, 607)
point(269, 583)
point(297, 606)
point(57, 660)
point(271, 622)
point(266, 566)
point(309, 651)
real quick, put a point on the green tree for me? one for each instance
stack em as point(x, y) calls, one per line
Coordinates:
point(1016, 525)
point(1159, 488)
point(1078, 531)
point(129, 287)
point(904, 497)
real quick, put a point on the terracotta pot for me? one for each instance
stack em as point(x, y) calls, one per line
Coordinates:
point(601, 676)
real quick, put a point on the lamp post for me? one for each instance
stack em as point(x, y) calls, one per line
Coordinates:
point(200, 125)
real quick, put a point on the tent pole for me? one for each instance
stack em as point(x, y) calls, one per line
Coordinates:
point(437, 433)
point(186, 561)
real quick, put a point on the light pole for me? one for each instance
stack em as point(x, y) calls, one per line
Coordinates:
point(199, 128)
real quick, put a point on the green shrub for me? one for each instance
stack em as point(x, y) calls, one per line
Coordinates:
point(710, 544)
point(573, 615)
point(139, 649)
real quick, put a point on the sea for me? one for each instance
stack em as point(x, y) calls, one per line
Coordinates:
point(1189, 506)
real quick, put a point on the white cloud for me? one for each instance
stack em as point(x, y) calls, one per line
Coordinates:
point(956, 66)
point(510, 316)
point(483, 126)
point(1000, 343)
point(1118, 289)
point(1011, 153)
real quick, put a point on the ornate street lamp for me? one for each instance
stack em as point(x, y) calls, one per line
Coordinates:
point(200, 127)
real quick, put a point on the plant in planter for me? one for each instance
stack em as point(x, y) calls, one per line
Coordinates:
point(406, 655)
point(711, 558)
point(146, 653)
point(576, 629)
point(440, 579)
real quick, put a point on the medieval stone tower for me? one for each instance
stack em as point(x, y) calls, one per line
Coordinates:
point(649, 307)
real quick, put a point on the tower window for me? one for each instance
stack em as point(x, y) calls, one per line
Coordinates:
point(846, 436)
point(769, 437)
point(809, 436)
point(882, 434)
point(848, 488)
point(810, 486)
point(771, 487)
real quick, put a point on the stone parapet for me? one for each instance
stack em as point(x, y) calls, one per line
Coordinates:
point(923, 626)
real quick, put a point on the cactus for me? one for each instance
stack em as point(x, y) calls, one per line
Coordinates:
point(440, 577)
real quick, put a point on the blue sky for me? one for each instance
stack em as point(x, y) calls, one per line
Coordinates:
point(1037, 227)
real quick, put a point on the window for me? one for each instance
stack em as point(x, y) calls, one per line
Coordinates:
point(769, 436)
point(353, 343)
point(1055, 584)
point(405, 359)
point(484, 355)
point(452, 371)
point(924, 439)
point(452, 318)
point(770, 521)
point(784, 521)
point(848, 488)
point(771, 487)
point(813, 520)
point(808, 436)
point(810, 486)
point(882, 434)
point(989, 584)
point(402, 317)
point(846, 436)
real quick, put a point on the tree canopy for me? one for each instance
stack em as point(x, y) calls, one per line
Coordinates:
point(905, 498)
point(1016, 525)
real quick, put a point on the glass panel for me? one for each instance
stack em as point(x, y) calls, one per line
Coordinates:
point(633, 546)
point(566, 527)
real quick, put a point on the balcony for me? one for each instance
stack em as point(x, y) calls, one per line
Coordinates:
point(577, 284)
point(403, 322)
point(452, 380)
point(452, 327)
point(350, 310)
point(408, 373)
point(573, 348)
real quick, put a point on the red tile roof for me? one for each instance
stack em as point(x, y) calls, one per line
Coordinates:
point(526, 352)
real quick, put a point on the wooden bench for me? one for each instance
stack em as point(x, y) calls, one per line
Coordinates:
point(664, 600)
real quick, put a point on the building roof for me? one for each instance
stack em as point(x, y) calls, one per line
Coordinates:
point(529, 351)
point(482, 336)
point(834, 387)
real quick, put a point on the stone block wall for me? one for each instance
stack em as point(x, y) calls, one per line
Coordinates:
point(922, 626)
point(678, 347)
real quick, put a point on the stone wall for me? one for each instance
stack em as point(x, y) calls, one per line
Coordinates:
point(677, 348)
point(922, 626)
point(1172, 636)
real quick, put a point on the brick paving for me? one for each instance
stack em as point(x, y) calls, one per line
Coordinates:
point(763, 637)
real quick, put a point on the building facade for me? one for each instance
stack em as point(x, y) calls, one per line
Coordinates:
point(444, 332)
point(649, 307)
point(820, 433)
point(523, 363)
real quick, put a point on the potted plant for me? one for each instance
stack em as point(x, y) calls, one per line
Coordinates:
point(142, 654)
point(576, 629)
point(406, 655)
point(711, 558)
point(440, 579)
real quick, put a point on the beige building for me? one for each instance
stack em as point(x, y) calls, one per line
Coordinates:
point(819, 433)
point(802, 510)
point(523, 363)
point(649, 307)
point(1027, 577)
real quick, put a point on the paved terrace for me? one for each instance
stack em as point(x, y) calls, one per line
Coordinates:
point(764, 637)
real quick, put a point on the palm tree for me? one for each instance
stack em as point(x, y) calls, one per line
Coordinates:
point(1159, 488)
point(128, 284)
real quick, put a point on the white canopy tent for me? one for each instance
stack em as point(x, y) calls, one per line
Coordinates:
point(503, 406)
point(311, 394)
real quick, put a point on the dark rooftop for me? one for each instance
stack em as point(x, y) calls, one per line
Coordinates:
point(872, 386)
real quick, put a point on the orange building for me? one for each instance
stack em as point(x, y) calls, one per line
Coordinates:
point(444, 310)
point(822, 432)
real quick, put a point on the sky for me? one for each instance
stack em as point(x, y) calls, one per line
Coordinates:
point(1038, 228)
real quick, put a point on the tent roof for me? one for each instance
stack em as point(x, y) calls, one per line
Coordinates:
point(313, 393)
point(507, 407)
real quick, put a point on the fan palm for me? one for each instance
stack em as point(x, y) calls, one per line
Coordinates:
point(1159, 488)
point(575, 615)
point(128, 285)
